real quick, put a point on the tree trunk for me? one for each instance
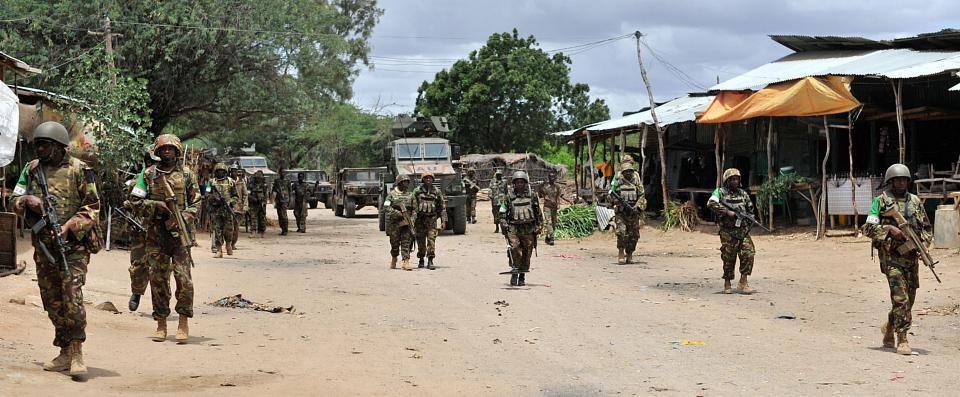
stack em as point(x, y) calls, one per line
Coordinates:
point(821, 229)
point(770, 174)
point(853, 180)
point(717, 132)
point(656, 125)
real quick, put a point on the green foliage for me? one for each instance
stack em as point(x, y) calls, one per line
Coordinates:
point(575, 221)
point(344, 136)
point(508, 95)
point(776, 188)
point(558, 154)
point(678, 214)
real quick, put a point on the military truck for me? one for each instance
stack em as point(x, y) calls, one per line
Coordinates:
point(357, 188)
point(419, 146)
point(319, 188)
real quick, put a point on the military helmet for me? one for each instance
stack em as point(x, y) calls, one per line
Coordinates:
point(402, 178)
point(167, 140)
point(519, 175)
point(220, 166)
point(730, 172)
point(627, 167)
point(426, 174)
point(235, 167)
point(53, 131)
point(896, 171)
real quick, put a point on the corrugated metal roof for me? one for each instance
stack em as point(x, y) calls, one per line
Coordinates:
point(893, 63)
point(676, 111)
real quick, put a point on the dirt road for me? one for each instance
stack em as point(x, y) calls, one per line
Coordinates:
point(582, 326)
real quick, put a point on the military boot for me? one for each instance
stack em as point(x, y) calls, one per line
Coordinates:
point(393, 262)
point(520, 280)
point(229, 249)
point(497, 229)
point(513, 280)
point(629, 257)
point(134, 302)
point(406, 265)
point(621, 259)
point(903, 345)
point(887, 331)
point(161, 334)
point(430, 264)
point(183, 330)
point(59, 363)
point(727, 288)
point(420, 263)
point(744, 286)
point(219, 253)
point(77, 367)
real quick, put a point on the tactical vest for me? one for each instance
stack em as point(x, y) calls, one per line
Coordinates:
point(427, 202)
point(63, 184)
point(223, 187)
point(521, 209)
point(179, 180)
point(628, 191)
point(908, 208)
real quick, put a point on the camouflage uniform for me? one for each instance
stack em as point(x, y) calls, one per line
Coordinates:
point(550, 192)
point(257, 200)
point(472, 189)
point(628, 223)
point(901, 269)
point(239, 210)
point(430, 204)
point(735, 238)
point(496, 195)
point(521, 210)
point(281, 195)
point(299, 194)
point(399, 228)
point(221, 214)
point(72, 183)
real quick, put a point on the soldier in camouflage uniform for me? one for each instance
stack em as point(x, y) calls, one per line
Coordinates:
point(497, 190)
point(735, 238)
point(401, 216)
point(168, 246)
point(299, 195)
point(901, 268)
point(522, 219)
point(281, 195)
point(77, 206)
point(257, 200)
point(628, 211)
point(241, 208)
point(550, 193)
point(139, 267)
point(430, 205)
point(470, 183)
point(222, 199)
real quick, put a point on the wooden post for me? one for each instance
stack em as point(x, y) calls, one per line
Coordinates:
point(823, 183)
point(576, 170)
point(770, 174)
point(623, 144)
point(716, 141)
point(853, 180)
point(898, 102)
point(656, 124)
point(593, 186)
point(643, 154)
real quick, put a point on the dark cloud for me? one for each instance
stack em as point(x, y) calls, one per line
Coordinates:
point(706, 40)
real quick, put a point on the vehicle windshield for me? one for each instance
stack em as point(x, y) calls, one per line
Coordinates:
point(407, 151)
point(363, 176)
point(258, 162)
point(435, 151)
point(311, 176)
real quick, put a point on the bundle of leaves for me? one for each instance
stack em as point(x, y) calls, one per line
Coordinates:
point(679, 214)
point(575, 221)
point(776, 188)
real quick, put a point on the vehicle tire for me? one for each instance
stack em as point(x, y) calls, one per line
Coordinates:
point(313, 204)
point(459, 220)
point(383, 222)
point(338, 210)
point(351, 207)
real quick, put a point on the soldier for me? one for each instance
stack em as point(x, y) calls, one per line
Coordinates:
point(160, 190)
point(139, 266)
point(222, 199)
point(257, 200)
point(522, 218)
point(470, 183)
point(629, 209)
point(497, 186)
point(77, 206)
point(400, 214)
point(899, 267)
point(430, 205)
point(241, 208)
point(550, 192)
point(735, 238)
point(281, 194)
point(299, 195)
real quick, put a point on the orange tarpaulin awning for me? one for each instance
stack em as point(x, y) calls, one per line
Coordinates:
point(809, 96)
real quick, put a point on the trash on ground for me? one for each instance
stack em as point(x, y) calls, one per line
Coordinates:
point(237, 301)
point(107, 307)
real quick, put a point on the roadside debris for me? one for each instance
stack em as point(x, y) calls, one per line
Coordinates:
point(237, 301)
point(107, 307)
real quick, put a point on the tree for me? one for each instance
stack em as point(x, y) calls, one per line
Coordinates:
point(246, 61)
point(508, 95)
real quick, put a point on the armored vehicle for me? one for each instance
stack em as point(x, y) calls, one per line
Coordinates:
point(357, 188)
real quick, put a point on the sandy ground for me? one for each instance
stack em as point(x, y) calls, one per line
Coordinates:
point(583, 326)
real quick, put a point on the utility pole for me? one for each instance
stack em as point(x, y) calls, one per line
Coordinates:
point(108, 37)
point(656, 124)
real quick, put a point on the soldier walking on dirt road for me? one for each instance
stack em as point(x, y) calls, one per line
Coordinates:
point(281, 195)
point(61, 269)
point(238, 212)
point(299, 194)
point(400, 214)
point(550, 193)
point(497, 190)
point(139, 266)
point(430, 205)
point(629, 208)
point(522, 220)
point(735, 238)
point(222, 200)
point(470, 184)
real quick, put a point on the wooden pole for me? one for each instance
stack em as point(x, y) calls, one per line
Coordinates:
point(717, 132)
point(898, 101)
point(623, 144)
point(770, 174)
point(656, 124)
point(821, 227)
point(576, 170)
point(643, 154)
point(853, 180)
point(593, 186)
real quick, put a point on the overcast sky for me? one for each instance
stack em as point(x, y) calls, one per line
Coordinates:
point(705, 40)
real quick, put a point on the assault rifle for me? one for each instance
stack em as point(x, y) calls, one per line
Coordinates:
point(743, 216)
point(629, 209)
point(505, 228)
point(913, 243)
point(48, 220)
point(181, 224)
point(136, 225)
point(218, 198)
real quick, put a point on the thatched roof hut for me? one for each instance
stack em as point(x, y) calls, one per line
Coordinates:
point(487, 164)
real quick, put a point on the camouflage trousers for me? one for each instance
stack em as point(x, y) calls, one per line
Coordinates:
point(300, 212)
point(139, 267)
point(258, 219)
point(732, 247)
point(426, 234)
point(550, 220)
point(221, 225)
point(237, 219)
point(401, 240)
point(628, 230)
point(495, 210)
point(904, 279)
point(62, 297)
point(522, 241)
point(282, 220)
point(471, 207)
point(165, 260)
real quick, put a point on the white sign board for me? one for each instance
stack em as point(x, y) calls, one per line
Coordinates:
point(9, 125)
